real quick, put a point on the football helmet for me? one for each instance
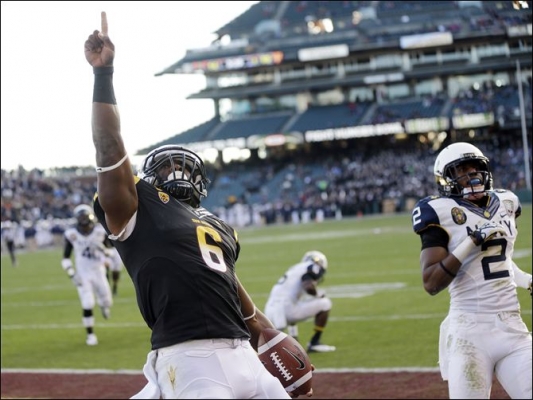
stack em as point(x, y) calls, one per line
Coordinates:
point(177, 171)
point(84, 216)
point(445, 170)
point(316, 257)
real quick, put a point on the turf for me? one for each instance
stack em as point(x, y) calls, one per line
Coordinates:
point(381, 316)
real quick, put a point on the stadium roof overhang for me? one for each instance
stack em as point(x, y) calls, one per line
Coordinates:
point(357, 80)
point(286, 88)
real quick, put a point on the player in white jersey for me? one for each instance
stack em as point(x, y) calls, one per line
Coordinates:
point(468, 235)
point(296, 297)
point(8, 234)
point(88, 239)
point(114, 267)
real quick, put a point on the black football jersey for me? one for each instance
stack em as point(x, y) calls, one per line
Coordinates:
point(182, 263)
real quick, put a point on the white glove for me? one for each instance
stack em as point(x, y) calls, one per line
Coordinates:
point(486, 232)
point(320, 293)
point(76, 280)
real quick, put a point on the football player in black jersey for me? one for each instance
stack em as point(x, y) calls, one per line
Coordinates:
point(180, 257)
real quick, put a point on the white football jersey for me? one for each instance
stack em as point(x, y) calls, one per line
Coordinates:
point(289, 286)
point(113, 257)
point(88, 249)
point(8, 233)
point(485, 281)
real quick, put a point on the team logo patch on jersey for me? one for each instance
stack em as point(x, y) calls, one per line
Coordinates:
point(164, 197)
point(458, 216)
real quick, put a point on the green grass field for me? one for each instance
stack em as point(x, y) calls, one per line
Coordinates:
point(381, 316)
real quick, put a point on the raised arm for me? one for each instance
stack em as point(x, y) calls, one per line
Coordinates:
point(117, 194)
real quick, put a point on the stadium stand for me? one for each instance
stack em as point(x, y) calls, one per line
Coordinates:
point(336, 108)
point(348, 70)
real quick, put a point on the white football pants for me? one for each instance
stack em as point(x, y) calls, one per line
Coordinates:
point(282, 312)
point(215, 369)
point(473, 347)
point(94, 283)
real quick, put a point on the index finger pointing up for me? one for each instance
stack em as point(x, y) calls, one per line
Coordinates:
point(104, 23)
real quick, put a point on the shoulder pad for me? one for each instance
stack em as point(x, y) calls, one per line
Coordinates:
point(424, 214)
point(426, 200)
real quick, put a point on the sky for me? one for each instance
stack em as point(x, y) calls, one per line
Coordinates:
point(46, 85)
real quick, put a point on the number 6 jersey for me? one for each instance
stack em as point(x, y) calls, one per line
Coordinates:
point(182, 263)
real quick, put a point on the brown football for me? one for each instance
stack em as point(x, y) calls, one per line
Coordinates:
point(286, 359)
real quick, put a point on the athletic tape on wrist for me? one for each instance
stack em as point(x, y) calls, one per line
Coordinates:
point(66, 263)
point(112, 167)
point(464, 249)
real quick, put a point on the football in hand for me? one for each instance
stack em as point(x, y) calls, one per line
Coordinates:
point(286, 359)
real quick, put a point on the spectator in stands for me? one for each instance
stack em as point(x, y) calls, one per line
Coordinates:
point(180, 257)
point(288, 302)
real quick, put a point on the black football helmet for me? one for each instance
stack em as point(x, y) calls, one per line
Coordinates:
point(445, 170)
point(178, 171)
point(85, 217)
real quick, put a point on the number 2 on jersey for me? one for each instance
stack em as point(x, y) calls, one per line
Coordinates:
point(486, 261)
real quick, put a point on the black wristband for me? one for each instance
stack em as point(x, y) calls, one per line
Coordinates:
point(447, 270)
point(103, 70)
point(103, 91)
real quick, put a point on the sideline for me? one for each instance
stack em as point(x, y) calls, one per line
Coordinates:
point(139, 372)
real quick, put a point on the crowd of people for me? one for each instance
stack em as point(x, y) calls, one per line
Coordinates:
point(368, 180)
point(374, 178)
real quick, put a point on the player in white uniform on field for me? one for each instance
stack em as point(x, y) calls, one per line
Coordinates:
point(114, 265)
point(88, 239)
point(296, 297)
point(8, 235)
point(468, 235)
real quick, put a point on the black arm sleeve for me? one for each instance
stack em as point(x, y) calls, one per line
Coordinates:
point(67, 251)
point(434, 236)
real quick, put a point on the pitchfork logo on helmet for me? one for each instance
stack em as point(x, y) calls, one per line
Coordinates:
point(178, 171)
point(447, 177)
